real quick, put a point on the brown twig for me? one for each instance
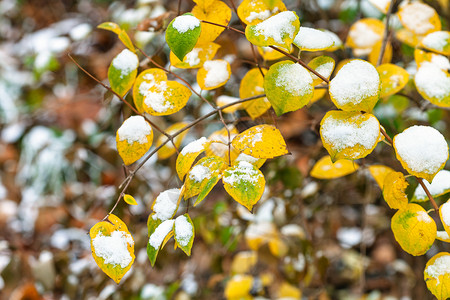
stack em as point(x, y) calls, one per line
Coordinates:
point(385, 34)
point(422, 184)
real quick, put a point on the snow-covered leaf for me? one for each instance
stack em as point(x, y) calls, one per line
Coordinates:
point(166, 204)
point(433, 84)
point(324, 65)
point(188, 155)
point(310, 39)
point(122, 71)
point(158, 237)
point(196, 57)
point(182, 34)
point(252, 12)
point(439, 187)
point(438, 41)
point(184, 233)
point(419, 18)
point(134, 138)
point(437, 275)
point(213, 74)
point(393, 79)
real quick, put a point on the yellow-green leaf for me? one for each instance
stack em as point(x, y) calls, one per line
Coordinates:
point(112, 247)
point(288, 86)
point(278, 30)
point(213, 74)
point(113, 27)
point(437, 275)
point(134, 138)
point(168, 149)
point(324, 168)
point(349, 135)
point(196, 57)
point(122, 71)
point(379, 173)
point(201, 179)
point(310, 39)
point(144, 81)
point(218, 145)
point(252, 12)
point(324, 65)
point(393, 79)
point(356, 86)
point(261, 141)
point(245, 183)
point(252, 84)
point(419, 18)
point(216, 11)
point(438, 41)
point(122, 34)
point(162, 231)
point(414, 229)
point(422, 151)
point(394, 187)
point(184, 233)
point(188, 155)
point(182, 34)
point(129, 199)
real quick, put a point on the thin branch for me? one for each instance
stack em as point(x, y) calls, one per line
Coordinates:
point(383, 132)
point(385, 34)
point(422, 184)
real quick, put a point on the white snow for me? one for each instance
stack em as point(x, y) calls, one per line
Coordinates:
point(166, 204)
point(355, 81)
point(324, 69)
point(416, 17)
point(134, 129)
point(257, 137)
point(185, 23)
point(422, 216)
point(199, 173)
point(80, 31)
point(243, 173)
point(442, 235)
point(432, 80)
point(192, 57)
point(262, 15)
point(349, 236)
point(441, 61)
point(346, 134)
point(183, 231)
point(437, 40)
point(310, 38)
point(217, 72)
point(422, 148)
point(113, 248)
point(363, 36)
point(441, 183)
point(336, 40)
point(295, 79)
point(382, 5)
point(224, 100)
point(195, 146)
point(160, 233)
point(445, 212)
point(126, 61)
point(277, 27)
point(153, 93)
point(440, 267)
point(248, 158)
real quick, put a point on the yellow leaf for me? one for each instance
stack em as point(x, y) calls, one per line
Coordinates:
point(365, 33)
point(258, 234)
point(324, 65)
point(393, 79)
point(164, 97)
point(261, 141)
point(252, 12)
point(422, 151)
point(225, 100)
point(437, 275)
point(379, 173)
point(438, 41)
point(422, 57)
point(243, 261)
point(134, 138)
point(213, 74)
point(216, 11)
point(146, 79)
point(394, 187)
point(218, 145)
point(310, 39)
point(252, 84)
point(245, 183)
point(168, 149)
point(188, 155)
point(356, 86)
point(277, 247)
point(196, 57)
point(375, 53)
point(318, 94)
point(414, 229)
point(326, 169)
point(129, 199)
point(349, 135)
point(419, 18)
point(408, 37)
point(112, 247)
point(238, 287)
point(289, 291)
point(337, 43)
point(201, 179)
point(279, 30)
point(288, 86)
point(122, 34)
point(271, 54)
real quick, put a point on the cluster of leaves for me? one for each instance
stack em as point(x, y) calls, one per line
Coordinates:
point(348, 134)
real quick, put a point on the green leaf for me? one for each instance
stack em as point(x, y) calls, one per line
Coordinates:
point(182, 34)
point(158, 238)
point(184, 233)
point(129, 199)
point(122, 72)
point(245, 183)
point(288, 86)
